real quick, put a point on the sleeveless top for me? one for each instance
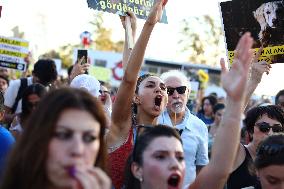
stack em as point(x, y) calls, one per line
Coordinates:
point(117, 161)
point(242, 177)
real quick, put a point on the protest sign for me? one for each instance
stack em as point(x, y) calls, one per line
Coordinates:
point(194, 90)
point(264, 19)
point(12, 53)
point(102, 74)
point(141, 8)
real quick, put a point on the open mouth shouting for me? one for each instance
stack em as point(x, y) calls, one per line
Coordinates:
point(174, 181)
point(157, 102)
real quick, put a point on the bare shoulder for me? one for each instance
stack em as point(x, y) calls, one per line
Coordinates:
point(241, 155)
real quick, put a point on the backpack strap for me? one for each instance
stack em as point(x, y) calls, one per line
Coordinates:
point(23, 86)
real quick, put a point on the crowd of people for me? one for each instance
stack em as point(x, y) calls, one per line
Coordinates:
point(78, 136)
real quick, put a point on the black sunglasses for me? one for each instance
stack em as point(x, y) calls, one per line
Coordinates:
point(265, 127)
point(180, 90)
point(271, 149)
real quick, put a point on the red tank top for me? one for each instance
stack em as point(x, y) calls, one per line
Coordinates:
point(117, 161)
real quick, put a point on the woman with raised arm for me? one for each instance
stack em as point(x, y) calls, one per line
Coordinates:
point(149, 96)
point(228, 135)
point(157, 160)
point(260, 122)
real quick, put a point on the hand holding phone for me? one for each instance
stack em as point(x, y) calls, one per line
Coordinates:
point(82, 53)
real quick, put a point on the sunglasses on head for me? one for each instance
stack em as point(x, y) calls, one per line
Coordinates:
point(180, 90)
point(265, 127)
point(271, 149)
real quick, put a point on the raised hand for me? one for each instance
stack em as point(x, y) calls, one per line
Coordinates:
point(156, 12)
point(133, 21)
point(258, 68)
point(79, 68)
point(234, 81)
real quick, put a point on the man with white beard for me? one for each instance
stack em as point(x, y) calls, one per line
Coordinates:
point(194, 133)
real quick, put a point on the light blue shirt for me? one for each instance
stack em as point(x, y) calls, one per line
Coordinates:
point(195, 142)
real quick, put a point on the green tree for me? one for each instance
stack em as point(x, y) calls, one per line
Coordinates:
point(51, 54)
point(64, 53)
point(101, 41)
point(202, 38)
point(102, 36)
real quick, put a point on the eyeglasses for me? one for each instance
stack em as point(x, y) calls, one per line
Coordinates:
point(104, 92)
point(180, 90)
point(265, 127)
point(271, 149)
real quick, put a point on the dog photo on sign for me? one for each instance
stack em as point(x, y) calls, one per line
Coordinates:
point(270, 17)
point(264, 19)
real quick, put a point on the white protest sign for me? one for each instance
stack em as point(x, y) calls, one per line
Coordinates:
point(12, 53)
point(194, 90)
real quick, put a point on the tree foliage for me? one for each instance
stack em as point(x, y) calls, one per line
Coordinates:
point(101, 40)
point(202, 38)
point(102, 36)
point(64, 53)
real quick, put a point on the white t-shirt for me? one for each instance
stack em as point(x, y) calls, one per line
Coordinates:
point(11, 94)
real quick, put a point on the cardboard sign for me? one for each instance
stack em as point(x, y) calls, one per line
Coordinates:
point(12, 53)
point(141, 8)
point(264, 19)
point(194, 90)
point(102, 74)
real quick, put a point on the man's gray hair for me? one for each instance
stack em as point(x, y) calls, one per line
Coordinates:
point(177, 74)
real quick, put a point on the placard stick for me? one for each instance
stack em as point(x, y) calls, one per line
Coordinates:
point(129, 32)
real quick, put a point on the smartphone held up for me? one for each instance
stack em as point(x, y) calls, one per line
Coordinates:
point(80, 54)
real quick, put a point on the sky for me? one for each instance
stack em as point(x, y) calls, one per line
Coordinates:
point(50, 24)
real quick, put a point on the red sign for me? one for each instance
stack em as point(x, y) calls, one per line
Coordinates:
point(117, 71)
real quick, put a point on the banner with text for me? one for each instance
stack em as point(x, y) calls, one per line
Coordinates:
point(12, 53)
point(141, 8)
